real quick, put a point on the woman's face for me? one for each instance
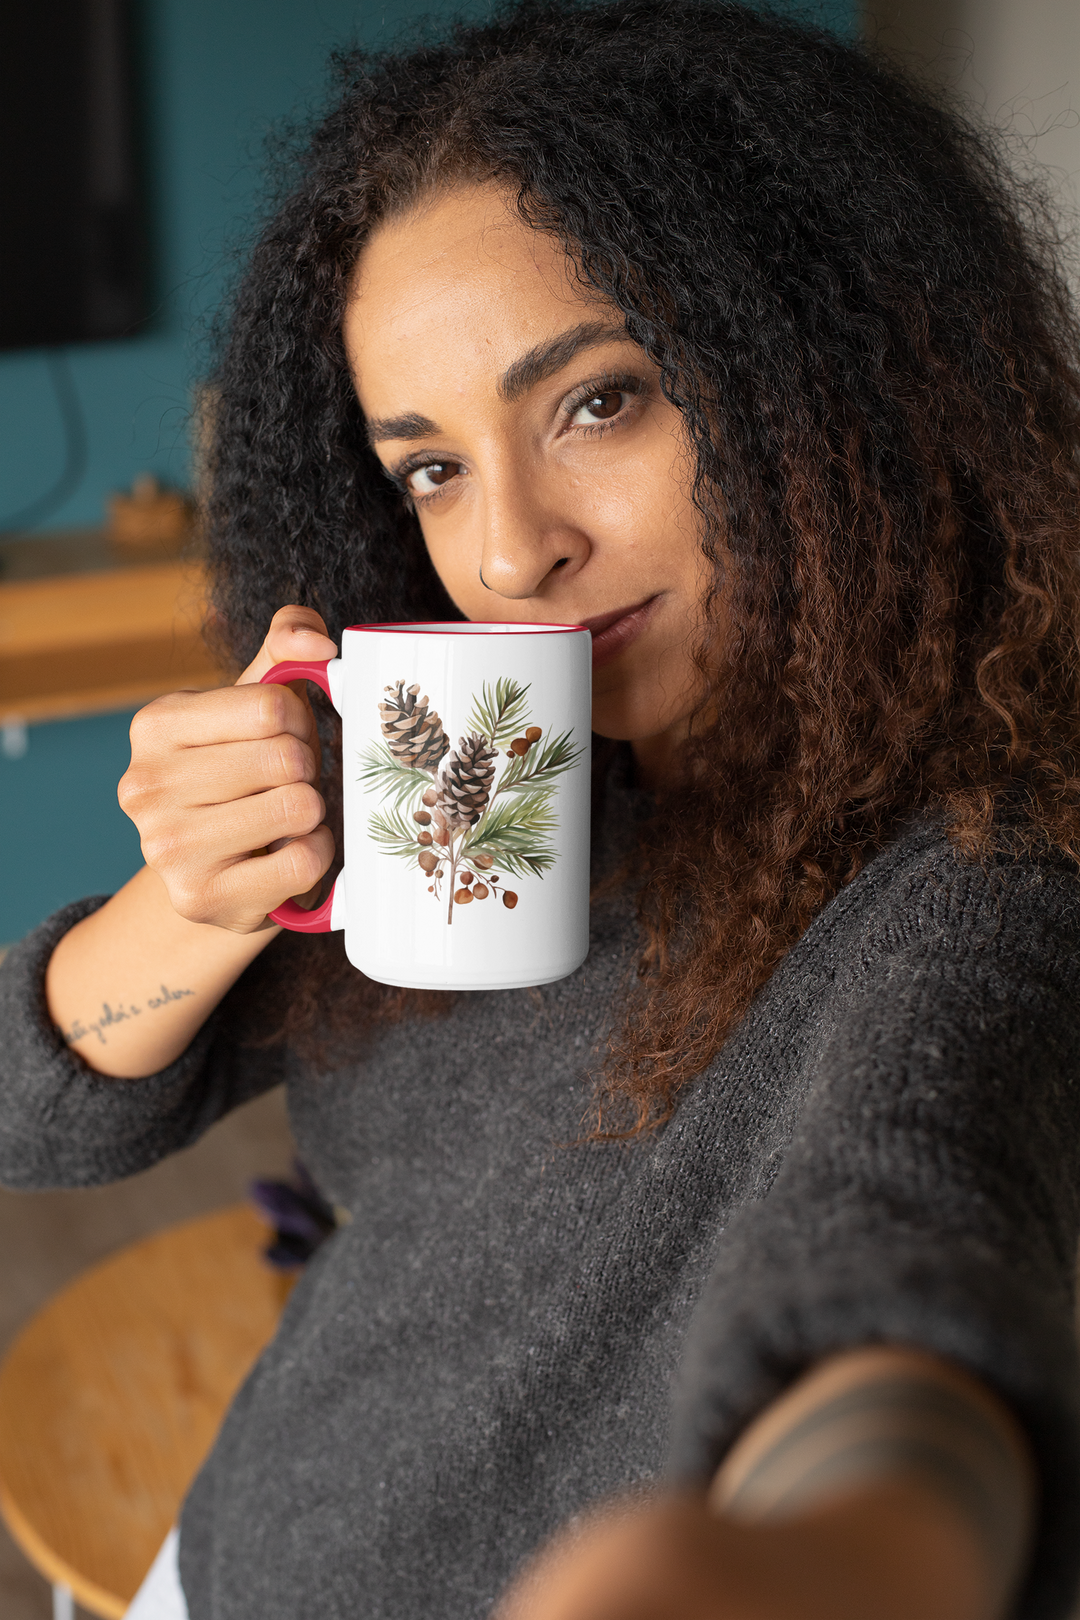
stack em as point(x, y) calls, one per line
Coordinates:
point(549, 474)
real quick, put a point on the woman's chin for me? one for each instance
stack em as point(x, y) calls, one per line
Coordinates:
point(614, 724)
point(624, 723)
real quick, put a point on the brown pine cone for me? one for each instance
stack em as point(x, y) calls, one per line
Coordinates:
point(465, 781)
point(414, 734)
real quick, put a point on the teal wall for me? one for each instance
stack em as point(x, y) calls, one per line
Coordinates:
point(62, 832)
point(219, 74)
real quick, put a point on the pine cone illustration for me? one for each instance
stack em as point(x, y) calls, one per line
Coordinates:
point(465, 781)
point(414, 734)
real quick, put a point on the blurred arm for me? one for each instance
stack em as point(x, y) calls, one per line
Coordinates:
point(885, 1485)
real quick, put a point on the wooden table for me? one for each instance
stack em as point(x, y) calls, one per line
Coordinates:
point(112, 1394)
point(84, 630)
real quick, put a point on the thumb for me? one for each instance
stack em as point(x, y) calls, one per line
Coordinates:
point(295, 633)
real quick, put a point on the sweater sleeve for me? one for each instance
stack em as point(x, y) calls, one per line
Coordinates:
point(63, 1125)
point(930, 1193)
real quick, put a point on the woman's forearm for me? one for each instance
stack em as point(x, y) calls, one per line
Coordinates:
point(130, 986)
point(220, 786)
point(885, 1483)
point(887, 1419)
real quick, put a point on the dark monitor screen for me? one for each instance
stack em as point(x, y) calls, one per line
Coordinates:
point(72, 250)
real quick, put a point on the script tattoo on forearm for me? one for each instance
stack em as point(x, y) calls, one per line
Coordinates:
point(888, 1428)
point(121, 1013)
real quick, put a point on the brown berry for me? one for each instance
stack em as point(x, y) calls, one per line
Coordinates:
point(422, 817)
point(431, 888)
point(533, 734)
point(483, 861)
point(509, 899)
point(429, 797)
point(467, 877)
point(423, 838)
point(480, 891)
point(494, 878)
point(462, 897)
point(428, 861)
point(519, 746)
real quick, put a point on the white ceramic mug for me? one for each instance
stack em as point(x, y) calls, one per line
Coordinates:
point(465, 750)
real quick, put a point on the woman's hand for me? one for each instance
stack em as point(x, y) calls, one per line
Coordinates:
point(886, 1485)
point(217, 778)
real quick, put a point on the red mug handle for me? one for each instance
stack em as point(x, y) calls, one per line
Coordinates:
point(289, 914)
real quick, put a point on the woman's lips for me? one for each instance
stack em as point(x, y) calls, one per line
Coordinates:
point(611, 632)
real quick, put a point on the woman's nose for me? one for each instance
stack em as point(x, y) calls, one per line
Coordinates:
point(527, 537)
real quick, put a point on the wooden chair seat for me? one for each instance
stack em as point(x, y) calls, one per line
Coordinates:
point(112, 1394)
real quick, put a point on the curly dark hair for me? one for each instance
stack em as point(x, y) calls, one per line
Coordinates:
point(860, 318)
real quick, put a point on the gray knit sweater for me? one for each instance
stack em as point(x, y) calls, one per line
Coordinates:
point(514, 1325)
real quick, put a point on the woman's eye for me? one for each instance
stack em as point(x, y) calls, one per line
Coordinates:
point(599, 407)
point(432, 476)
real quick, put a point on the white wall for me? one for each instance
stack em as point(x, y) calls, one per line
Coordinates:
point(1017, 61)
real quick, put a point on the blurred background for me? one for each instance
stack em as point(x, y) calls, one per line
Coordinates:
point(133, 149)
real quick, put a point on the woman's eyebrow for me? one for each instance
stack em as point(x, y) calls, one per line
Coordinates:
point(531, 368)
point(547, 358)
point(410, 426)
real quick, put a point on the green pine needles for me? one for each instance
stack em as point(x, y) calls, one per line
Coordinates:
point(499, 712)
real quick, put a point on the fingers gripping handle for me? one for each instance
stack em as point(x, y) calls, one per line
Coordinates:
point(330, 914)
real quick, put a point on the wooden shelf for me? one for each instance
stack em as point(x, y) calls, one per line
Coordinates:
point(110, 635)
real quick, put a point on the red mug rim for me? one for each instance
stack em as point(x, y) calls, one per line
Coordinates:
point(473, 627)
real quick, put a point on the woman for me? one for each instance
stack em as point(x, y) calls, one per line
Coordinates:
point(700, 329)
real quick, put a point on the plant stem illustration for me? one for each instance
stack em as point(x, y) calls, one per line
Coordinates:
point(452, 811)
